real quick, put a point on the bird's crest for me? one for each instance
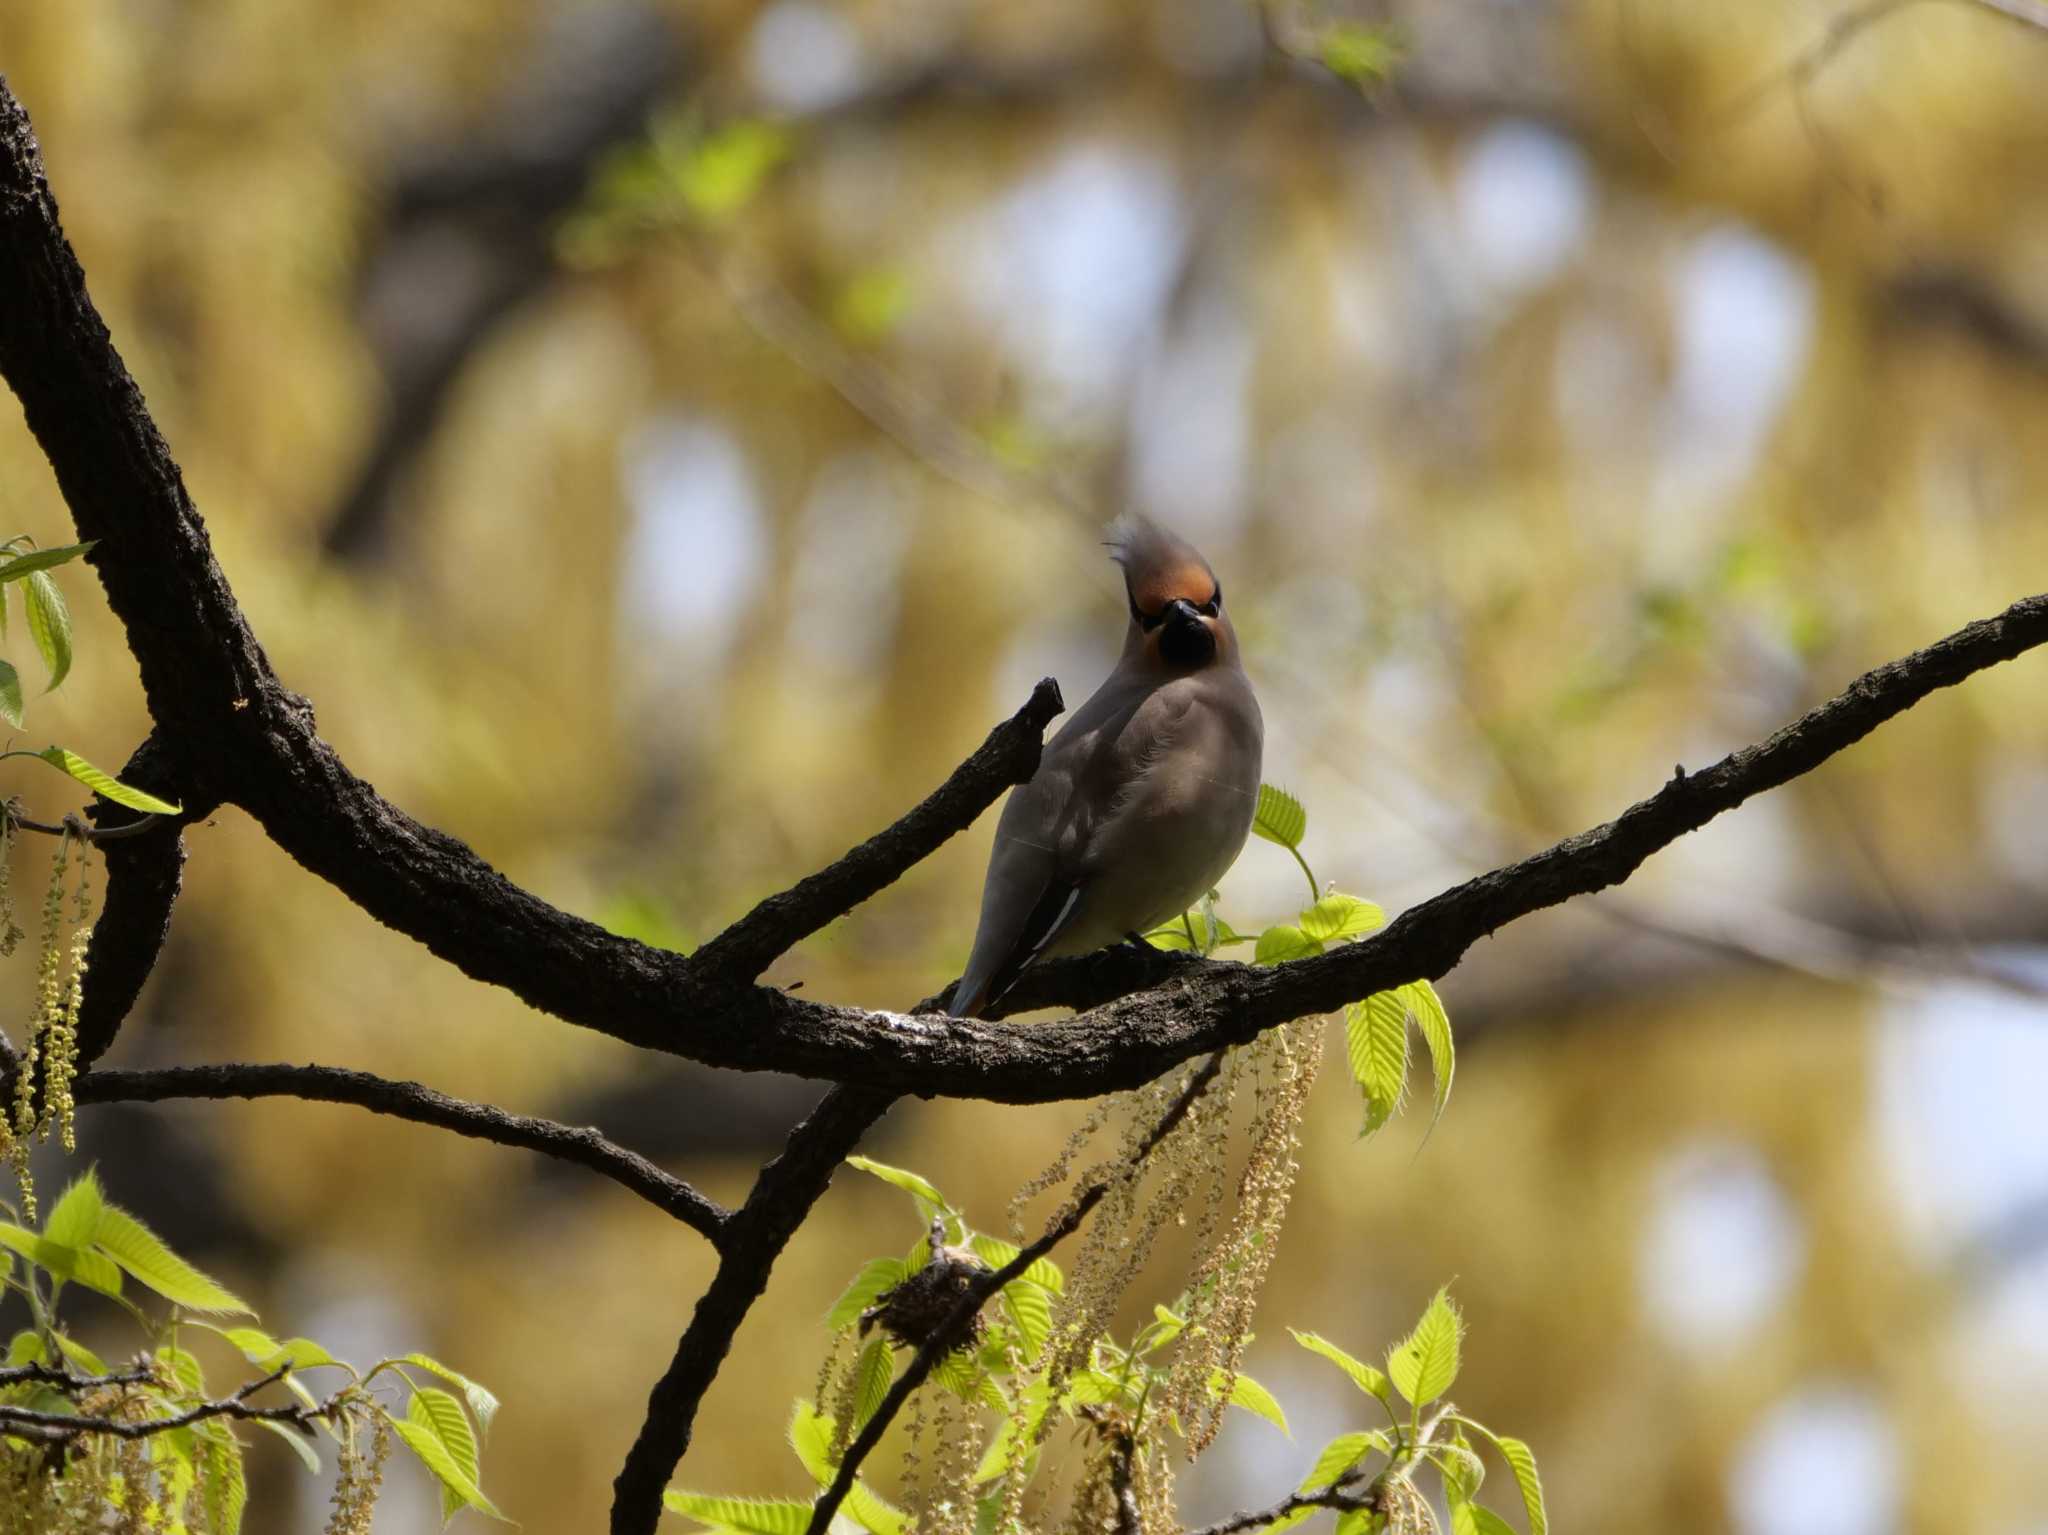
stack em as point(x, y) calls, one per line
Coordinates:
point(1158, 566)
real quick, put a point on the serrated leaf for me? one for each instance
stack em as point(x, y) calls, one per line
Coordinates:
point(1016, 1434)
point(1339, 1456)
point(104, 785)
point(1423, 1365)
point(743, 1516)
point(74, 1220)
point(995, 1252)
point(20, 565)
point(481, 1402)
point(1031, 1309)
point(1282, 942)
point(930, 1202)
point(49, 625)
point(227, 1493)
point(1461, 1468)
point(142, 1253)
point(80, 1355)
point(1341, 916)
point(10, 692)
point(88, 1268)
point(435, 1409)
point(876, 1277)
point(1371, 1381)
point(961, 1375)
point(1428, 1010)
point(874, 1370)
point(1280, 817)
point(1486, 1522)
point(1522, 1461)
point(301, 1446)
point(1253, 1398)
point(1376, 1044)
point(424, 1442)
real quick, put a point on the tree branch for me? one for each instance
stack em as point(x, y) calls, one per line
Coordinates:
point(779, 1202)
point(1009, 756)
point(1333, 1496)
point(582, 1145)
point(60, 1426)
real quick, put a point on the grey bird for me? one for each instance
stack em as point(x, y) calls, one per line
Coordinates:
point(1144, 798)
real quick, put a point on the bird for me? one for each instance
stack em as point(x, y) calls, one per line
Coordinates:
point(1144, 798)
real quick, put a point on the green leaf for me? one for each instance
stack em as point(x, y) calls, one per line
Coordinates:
point(184, 1368)
point(1484, 1521)
point(1280, 817)
point(20, 565)
point(1016, 1434)
point(1460, 1466)
point(1279, 944)
point(1359, 54)
point(1252, 1397)
point(301, 1445)
point(723, 171)
point(435, 1409)
point(49, 625)
point(1425, 1363)
point(1341, 916)
point(421, 1438)
point(75, 1219)
point(876, 1277)
point(1376, 1043)
point(1522, 1461)
point(227, 1493)
point(1339, 1456)
point(874, 1370)
point(930, 1202)
point(959, 1373)
point(995, 1252)
point(742, 1516)
point(87, 1268)
point(1369, 1380)
point(80, 1355)
point(139, 1250)
point(1435, 1023)
point(1358, 1521)
point(1031, 1309)
point(105, 786)
point(481, 1402)
point(1172, 937)
point(26, 1347)
point(10, 689)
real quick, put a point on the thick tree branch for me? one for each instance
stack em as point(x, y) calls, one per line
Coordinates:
point(780, 1202)
point(582, 1145)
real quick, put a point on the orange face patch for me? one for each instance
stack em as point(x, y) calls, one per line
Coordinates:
point(1188, 579)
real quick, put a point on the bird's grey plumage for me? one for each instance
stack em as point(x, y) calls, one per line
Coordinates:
point(1144, 799)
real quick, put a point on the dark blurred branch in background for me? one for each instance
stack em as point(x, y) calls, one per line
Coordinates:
point(465, 239)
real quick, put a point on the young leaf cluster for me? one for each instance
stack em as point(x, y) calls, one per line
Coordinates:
point(1376, 1030)
point(151, 1443)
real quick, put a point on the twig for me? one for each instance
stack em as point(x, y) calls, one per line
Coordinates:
point(582, 1145)
point(1009, 756)
point(65, 1426)
point(952, 1327)
point(780, 1201)
point(64, 1380)
point(1334, 1496)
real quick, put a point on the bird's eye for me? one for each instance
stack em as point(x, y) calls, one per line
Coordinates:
point(1214, 605)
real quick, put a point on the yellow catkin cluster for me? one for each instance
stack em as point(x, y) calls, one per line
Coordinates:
point(360, 1474)
point(49, 1059)
point(1231, 1266)
point(11, 933)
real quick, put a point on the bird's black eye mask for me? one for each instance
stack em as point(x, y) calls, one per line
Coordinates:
point(1149, 621)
